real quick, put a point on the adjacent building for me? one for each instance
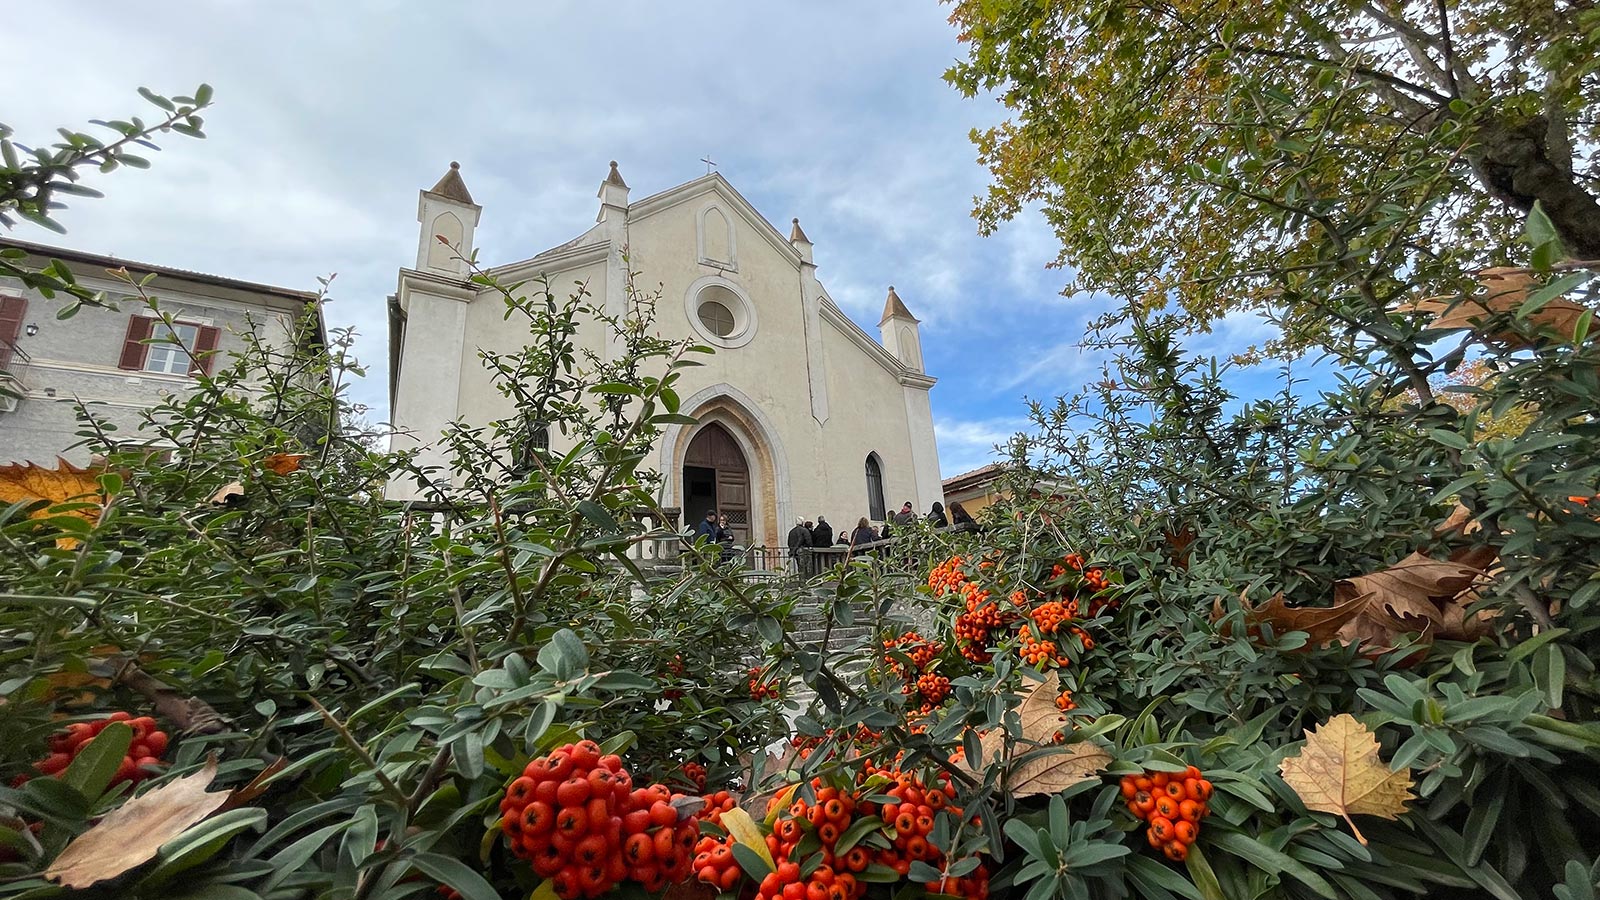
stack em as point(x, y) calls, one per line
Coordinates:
point(978, 489)
point(119, 362)
point(801, 412)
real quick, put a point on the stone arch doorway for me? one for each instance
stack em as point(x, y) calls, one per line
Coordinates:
point(759, 443)
point(716, 476)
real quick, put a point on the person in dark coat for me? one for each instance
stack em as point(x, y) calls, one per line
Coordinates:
point(863, 533)
point(800, 545)
point(959, 515)
point(725, 537)
point(936, 516)
point(907, 516)
point(822, 534)
point(706, 529)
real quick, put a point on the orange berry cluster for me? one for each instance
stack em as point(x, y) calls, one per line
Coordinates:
point(657, 839)
point(907, 823)
point(576, 817)
point(715, 805)
point(946, 576)
point(827, 818)
point(149, 742)
point(1172, 805)
point(760, 688)
point(973, 626)
point(976, 626)
point(1064, 701)
point(714, 863)
point(921, 651)
point(1039, 652)
point(930, 688)
point(1095, 579)
point(1050, 615)
point(695, 774)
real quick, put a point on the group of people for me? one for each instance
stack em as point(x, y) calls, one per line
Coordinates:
point(714, 529)
point(807, 534)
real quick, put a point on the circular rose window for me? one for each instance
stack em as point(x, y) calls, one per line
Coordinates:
point(720, 312)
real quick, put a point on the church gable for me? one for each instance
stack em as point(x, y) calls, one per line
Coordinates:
point(719, 208)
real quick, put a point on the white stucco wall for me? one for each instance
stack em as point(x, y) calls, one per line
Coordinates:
point(769, 376)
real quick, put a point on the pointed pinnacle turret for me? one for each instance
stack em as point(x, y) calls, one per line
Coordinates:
point(615, 177)
point(452, 187)
point(893, 308)
point(796, 235)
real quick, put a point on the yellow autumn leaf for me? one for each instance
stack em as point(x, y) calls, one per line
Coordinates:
point(1339, 771)
point(743, 828)
point(29, 483)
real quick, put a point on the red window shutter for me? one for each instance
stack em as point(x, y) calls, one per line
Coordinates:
point(134, 348)
point(205, 345)
point(12, 310)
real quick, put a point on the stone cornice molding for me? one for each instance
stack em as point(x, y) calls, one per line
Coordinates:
point(436, 285)
point(832, 314)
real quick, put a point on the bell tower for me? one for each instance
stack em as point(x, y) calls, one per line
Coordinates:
point(448, 218)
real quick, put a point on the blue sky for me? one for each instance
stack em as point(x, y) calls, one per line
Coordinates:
point(330, 117)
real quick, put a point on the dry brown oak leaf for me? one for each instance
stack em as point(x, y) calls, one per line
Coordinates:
point(1417, 593)
point(1338, 771)
point(1052, 772)
point(130, 835)
point(1322, 623)
point(1505, 290)
point(28, 483)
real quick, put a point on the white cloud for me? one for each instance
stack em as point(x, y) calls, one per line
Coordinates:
point(967, 444)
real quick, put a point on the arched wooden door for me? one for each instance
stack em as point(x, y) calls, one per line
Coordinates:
point(716, 477)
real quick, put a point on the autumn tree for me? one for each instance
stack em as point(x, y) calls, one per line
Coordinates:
point(1316, 160)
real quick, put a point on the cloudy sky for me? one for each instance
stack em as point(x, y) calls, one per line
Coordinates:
point(330, 116)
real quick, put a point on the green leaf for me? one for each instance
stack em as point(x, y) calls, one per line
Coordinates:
point(1539, 230)
point(1263, 857)
point(212, 891)
point(771, 629)
point(157, 99)
point(565, 656)
point(751, 862)
point(623, 681)
point(1525, 649)
point(96, 764)
point(290, 859)
point(201, 842)
point(381, 701)
point(1146, 873)
point(456, 874)
point(1205, 880)
point(599, 515)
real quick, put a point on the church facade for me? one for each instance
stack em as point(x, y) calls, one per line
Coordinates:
point(800, 412)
